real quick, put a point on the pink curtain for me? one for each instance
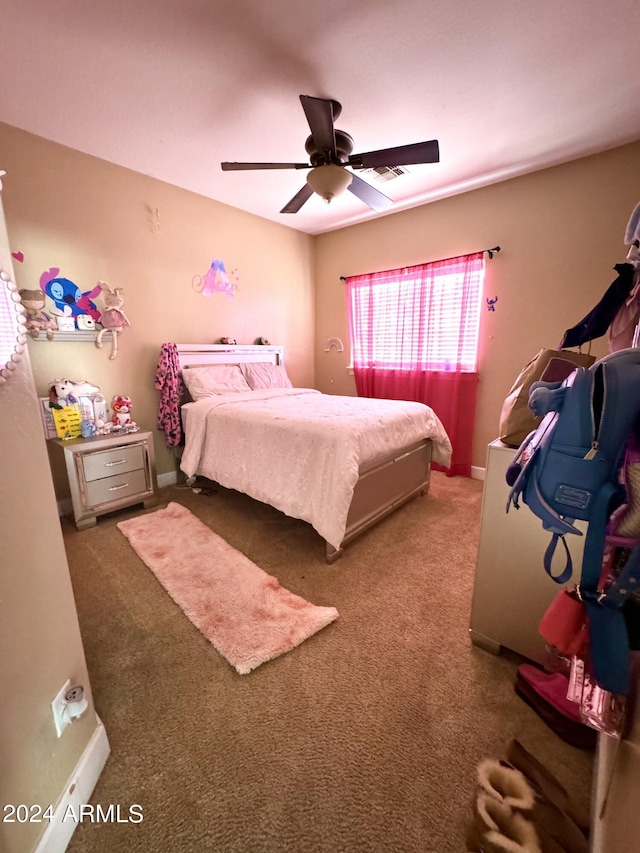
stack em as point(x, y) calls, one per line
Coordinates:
point(414, 334)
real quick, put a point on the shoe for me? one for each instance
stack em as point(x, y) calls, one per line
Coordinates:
point(556, 830)
point(546, 784)
point(543, 692)
point(507, 785)
point(498, 829)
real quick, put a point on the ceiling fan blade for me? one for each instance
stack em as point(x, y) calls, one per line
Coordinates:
point(236, 167)
point(369, 195)
point(319, 113)
point(403, 155)
point(298, 200)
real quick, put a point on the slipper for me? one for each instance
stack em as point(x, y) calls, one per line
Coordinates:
point(572, 732)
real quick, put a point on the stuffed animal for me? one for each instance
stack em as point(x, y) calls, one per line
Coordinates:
point(100, 414)
point(113, 319)
point(63, 392)
point(121, 406)
point(229, 341)
point(37, 319)
point(87, 428)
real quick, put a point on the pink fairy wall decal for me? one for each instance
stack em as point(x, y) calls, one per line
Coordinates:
point(217, 279)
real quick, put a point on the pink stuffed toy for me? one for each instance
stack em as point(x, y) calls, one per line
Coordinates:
point(121, 406)
point(113, 318)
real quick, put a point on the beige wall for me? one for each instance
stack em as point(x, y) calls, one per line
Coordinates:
point(95, 221)
point(39, 633)
point(561, 231)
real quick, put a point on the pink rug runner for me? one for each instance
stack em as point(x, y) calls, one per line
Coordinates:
point(244, 612)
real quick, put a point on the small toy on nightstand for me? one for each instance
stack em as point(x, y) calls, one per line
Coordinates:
point(122, 420)
point(63, 392)
point(100, 414)
point(87, 428)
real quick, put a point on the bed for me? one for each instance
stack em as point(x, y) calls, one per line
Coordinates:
point(339, 463)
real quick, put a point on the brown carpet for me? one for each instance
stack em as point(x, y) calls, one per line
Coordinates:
point(366, 738)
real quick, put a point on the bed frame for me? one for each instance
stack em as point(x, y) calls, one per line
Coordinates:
point(382, 486)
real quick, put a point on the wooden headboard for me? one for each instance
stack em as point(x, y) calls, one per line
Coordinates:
point(202, 354)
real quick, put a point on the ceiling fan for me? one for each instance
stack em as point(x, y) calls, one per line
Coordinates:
point(329, 151)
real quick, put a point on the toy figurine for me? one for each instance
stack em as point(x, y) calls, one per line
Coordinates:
point(87, 428)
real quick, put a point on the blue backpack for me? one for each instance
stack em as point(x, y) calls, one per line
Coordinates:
point(568, 469)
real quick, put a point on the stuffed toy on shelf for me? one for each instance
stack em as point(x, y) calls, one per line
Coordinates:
point(37, 319)
point(113, 318)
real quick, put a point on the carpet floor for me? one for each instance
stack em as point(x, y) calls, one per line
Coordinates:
point(366, 738)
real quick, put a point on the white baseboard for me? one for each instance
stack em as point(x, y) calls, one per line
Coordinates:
point(167, 479)
point(477, 473)
point(78, 790)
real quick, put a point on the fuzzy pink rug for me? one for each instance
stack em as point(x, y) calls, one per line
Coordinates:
point(244, 612)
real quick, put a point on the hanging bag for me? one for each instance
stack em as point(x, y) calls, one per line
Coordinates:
point(564, 625)
point(567, 470)
point(516, 419)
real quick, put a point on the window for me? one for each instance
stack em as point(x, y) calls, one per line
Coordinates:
point(425, 317)
point(12, 336)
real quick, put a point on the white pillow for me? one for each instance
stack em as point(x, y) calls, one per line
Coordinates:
point(261, 375)
point(214, 379)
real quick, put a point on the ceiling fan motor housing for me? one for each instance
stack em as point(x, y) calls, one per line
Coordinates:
point(344, 147)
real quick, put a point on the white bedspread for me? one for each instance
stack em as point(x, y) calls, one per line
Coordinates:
point(299, 450)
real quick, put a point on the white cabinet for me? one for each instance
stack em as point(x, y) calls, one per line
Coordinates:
point(512, 590)
point(109, 472)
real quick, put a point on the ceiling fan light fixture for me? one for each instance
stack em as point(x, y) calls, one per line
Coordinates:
point(329, 181)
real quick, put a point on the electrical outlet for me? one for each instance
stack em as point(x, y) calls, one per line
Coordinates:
point(58, 707)
point(74, 694)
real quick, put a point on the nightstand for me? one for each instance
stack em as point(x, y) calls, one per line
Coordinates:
point(109, 472)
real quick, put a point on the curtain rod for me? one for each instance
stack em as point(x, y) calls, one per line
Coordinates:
point(490, 252)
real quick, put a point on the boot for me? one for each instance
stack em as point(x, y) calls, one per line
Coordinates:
point(497, 829)
point(556, 831)
point(505, 784)
point(546, 785)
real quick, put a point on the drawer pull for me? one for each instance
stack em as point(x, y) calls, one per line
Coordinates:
point(117, 462)
point(117, 488)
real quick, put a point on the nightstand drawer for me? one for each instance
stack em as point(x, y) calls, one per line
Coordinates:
point(109, 462)
point(108, 472)
point(116, 488)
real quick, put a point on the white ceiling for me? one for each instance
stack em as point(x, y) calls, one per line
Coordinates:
point(171, 88)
